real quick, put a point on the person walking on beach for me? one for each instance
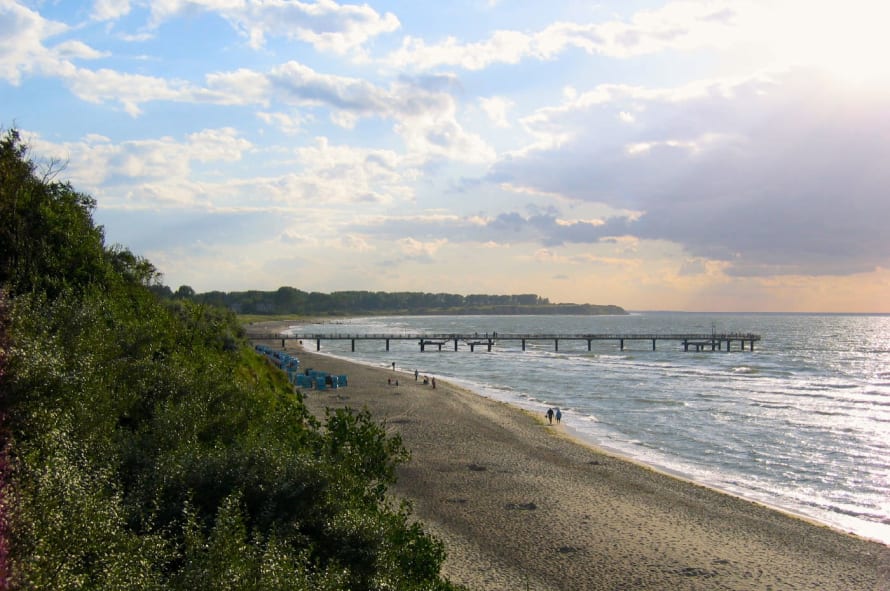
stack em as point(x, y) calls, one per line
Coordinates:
point(393, 365)
point(558, 415)
point(550, 415)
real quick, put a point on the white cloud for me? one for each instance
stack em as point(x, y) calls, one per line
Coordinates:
point(346, 174)
point(146, 170)
point(355, 243)
point(326, 25)
point(217, 145)
point(426, 120)
point(496, 108)
point(22, 36)
point(162, 173)
point(418, 250)
point(238, 87)
point(298, 236)
point(131, 90)
point(104, 10)
point(503, 47)
point(290, 124)
point(299, 84)
point(440, 136)
point(780, 32)
point(685, 26)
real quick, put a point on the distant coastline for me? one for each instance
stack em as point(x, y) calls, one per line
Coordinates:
point(292, 301)
point(518, 310)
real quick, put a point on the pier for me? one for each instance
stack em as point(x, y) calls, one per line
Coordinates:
point(687, 341)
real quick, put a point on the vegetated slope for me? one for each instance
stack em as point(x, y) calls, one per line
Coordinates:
point(148, 447)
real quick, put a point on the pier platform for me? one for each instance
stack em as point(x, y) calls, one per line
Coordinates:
point(697, 342)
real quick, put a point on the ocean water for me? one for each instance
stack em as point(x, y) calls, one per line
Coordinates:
point(802, 423)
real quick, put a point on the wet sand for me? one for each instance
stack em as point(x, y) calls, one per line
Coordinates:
point(521, 505)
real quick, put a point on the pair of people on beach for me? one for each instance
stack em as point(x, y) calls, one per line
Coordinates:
point(551, 414)
point(426, 379)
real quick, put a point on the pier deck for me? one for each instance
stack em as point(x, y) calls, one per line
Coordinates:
point(689, 341)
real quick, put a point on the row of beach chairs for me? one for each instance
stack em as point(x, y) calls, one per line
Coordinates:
point(320, 380)
point(280, 358)
point(309, 378)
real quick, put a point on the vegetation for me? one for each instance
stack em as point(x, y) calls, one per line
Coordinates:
point(146, 446)
point(291, 301)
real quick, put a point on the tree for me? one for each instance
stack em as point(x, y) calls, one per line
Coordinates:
point(185, 292)
point(150, 448)
point(47, 237)
point(133, 268)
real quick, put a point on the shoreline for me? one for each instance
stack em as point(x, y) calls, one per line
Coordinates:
point(727, 482)
point(522, 504)
point(579, 438)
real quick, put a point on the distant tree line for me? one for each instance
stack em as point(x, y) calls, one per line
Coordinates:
point(289, 300)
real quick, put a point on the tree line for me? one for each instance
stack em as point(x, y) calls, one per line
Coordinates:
point(289, 300)
point(145, 445)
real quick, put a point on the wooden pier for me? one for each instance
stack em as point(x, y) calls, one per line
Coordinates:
point(688, 341)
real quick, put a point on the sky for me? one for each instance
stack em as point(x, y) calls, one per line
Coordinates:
point(685, 155)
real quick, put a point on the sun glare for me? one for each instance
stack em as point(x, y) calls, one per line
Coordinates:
point(847, 39)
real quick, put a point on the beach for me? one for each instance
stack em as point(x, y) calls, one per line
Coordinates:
point(520, 504)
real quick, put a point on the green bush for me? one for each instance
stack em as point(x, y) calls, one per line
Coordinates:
point(150, 448)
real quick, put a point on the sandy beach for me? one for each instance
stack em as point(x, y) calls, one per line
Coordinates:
point(522, 505)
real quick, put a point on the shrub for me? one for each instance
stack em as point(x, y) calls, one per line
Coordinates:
point(149, 448)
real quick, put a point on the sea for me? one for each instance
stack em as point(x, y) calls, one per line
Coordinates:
point(801, 423)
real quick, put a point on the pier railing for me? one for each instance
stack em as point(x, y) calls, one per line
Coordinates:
point(712, 341)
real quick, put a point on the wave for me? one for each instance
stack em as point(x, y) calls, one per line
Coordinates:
point(773, 405)
point(829, 413)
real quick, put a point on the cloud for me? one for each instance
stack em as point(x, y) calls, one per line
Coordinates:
point(547, 228)
point(299, 84)
point(685, 26)
point(418, 251)
point(355, 243)
point(774, 175)
point(22, 36)
point(290, 124)
point(96, 161)
point(326, 25)
point(502, 47)
point(105, 10)
point(168, 173)
point(496, 108)
point(345, 174)
point(426, 120)
point(237, 87)
point(131, 90)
